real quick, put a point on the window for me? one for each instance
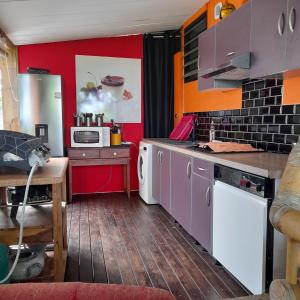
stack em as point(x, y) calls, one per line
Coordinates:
point(191, 34)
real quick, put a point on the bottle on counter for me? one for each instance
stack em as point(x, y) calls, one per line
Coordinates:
point(115, 135)
point(212, 134)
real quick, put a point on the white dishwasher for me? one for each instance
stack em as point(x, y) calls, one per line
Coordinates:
point(243, 239)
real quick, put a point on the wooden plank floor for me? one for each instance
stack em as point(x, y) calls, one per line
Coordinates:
point(114, 240)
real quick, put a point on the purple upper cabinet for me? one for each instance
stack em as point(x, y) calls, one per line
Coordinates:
point(201, 225)
point(268, 37)
point(233, 35)
point(165, 180)
point(293, 35)
point(206, 57)
point(156, 173)
point(181, 169)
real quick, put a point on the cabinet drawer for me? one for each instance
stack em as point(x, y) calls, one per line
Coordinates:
point(83, 153)
point(203, 168)
point(113, 153)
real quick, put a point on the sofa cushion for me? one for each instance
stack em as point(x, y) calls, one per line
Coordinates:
point(80, 291)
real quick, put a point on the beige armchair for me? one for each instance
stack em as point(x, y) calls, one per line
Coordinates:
point(285, 217)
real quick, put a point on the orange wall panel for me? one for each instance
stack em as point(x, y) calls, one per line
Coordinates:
point(210, 100)
point(291, 91)
point(178, 87)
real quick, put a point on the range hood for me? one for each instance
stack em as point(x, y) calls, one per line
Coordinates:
point(237, 68)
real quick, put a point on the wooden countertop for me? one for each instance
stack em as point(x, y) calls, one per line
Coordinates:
point(52, 173)
point(266, 164)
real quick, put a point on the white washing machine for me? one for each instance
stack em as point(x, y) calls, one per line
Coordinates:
point(144, 170)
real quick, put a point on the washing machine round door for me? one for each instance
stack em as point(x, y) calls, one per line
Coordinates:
point(140, 168)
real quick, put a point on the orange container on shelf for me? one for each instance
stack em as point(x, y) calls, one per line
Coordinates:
point(115, 139)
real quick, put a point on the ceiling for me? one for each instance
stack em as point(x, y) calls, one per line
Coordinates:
point(40, 21)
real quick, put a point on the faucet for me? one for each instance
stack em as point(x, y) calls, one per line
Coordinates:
point(196, 123)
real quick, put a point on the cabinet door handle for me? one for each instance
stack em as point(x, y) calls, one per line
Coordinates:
point(198, 62)
point(201, 169)
point(207, 196)
point(161, 156)
point(231, 53)
point(115, 153)
point(188, 170)
point(83, 154)
point(281, 24)
point(292, 19)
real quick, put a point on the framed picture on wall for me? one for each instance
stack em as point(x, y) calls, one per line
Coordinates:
point(109, 85)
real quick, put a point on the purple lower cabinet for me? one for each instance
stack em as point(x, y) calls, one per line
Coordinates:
point(181, 189)
point(201, 225)
point(165, 180)
point(156, 173)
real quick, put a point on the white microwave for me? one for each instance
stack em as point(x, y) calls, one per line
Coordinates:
point(90, 136)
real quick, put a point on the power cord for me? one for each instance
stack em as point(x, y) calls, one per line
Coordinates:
point(21, 224)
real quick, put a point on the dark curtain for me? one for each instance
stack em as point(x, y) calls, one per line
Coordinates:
point(159, 50)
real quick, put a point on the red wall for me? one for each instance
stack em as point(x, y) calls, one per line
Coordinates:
point(59, 58)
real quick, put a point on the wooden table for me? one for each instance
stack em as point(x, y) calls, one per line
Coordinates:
point(43, 223)
point(114, 155)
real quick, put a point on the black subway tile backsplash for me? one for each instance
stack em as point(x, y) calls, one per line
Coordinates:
point(264, 110)
point(278, 100)
point(270, 101)
point(263, 121)
point(285, 148)
point(270, 82)
point(257, 119)
point(286, 129)
point(255, 94)
point(275, 110)
point(276, 91)
point(262, 128)
point(264, 93)
point(259, 85)
point(259, 102)
point(273, 128)
point(272, 147)
point(290, 139)
point(249, 87)
point(280, 119)
point(288, 109)
point(279, 138)
point(268, 119)
point(294, 119)
point(297, 129)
